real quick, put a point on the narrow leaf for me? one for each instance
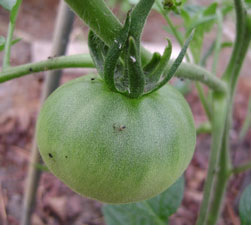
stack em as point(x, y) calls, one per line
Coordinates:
point(150, 66)
point(114, 54)
point(156, 74)
point(153, 211)
point(135, 73)
point(245, 206)
point(179, 59)
point(98, 51)
point(175, 65)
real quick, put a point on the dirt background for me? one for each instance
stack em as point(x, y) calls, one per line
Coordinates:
point(19, 106)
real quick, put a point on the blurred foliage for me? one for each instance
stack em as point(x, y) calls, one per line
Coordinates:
point(153, 211)
point(245, 206)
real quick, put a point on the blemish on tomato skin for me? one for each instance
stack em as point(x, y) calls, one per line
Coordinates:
point(118, 127)
point(50, 155)
point(66, 157)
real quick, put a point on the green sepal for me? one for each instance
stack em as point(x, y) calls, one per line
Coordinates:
point(151, 65)
point(175, 65)
point(98, 50)
point(162, 66)
point(135, 73)
point(111, 61)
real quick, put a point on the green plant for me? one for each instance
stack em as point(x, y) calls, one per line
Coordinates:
point(111, 50)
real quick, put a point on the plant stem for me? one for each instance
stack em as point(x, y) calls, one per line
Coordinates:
point(12, 23)
point(7, 47)
point(218, 124)
point(172, 27)
point(247, 122)
point(241, 169)
point(185, 71)
point(61, 62)
point(243, 36)
point(63, 27)
point(217, 47)
point(204, 101)
point(221, 180)
point(197, 73)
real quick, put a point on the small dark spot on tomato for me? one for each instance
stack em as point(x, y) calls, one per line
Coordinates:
point(30, 69)
point(50, 155)
point(66, 157)
point(92, 78)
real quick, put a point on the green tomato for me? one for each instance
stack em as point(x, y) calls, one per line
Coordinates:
point(112, 148)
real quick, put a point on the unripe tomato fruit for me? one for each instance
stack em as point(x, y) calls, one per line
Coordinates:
point(112, 148)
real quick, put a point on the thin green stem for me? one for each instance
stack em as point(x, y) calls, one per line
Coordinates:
point(62, 62)
point(185, 71)
point(7, 47)
point(173, 28)
point(12, 23)
point(197, 73)
point(240, 169)
point(247, 122)
point(204, 101)
point(242, 40)
point(204, 128)
point(218, 124)
point(217, 47)
point(221, 180)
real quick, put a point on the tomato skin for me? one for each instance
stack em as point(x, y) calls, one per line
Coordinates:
point(109, 147)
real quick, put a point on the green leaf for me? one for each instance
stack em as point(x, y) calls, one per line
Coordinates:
point(153, 211)
point(175, 65)
point(2, 42)
point(159, 70)
point(203, 20)
point(245, 206)
point(8, 4)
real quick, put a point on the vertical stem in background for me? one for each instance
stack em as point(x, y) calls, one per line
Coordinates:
point(216, 182)
point(7, 48)
point(63, 28)
point(221, 181)
point(218, 127)
point(217, 47)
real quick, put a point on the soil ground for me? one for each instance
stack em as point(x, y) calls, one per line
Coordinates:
point(19, 106)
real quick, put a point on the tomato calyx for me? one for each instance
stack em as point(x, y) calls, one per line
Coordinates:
point(120, 63)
